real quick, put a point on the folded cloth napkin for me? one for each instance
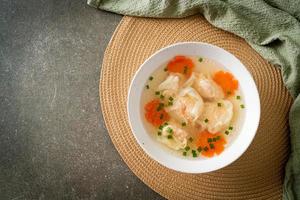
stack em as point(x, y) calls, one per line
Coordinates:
point(271, 27)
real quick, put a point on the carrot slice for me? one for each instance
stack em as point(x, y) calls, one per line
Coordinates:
point(155, 113)
point(226, 81)
point(181, 64)
point(211, 144)
point(208, 153)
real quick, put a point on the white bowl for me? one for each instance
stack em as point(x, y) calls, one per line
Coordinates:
point(250, 97)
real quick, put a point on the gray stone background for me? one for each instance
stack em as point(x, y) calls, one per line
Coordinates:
point(53, 142)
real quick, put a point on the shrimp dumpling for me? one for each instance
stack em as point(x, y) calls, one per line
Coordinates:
point(216, 117)
point(207, 88)
point(170, 86)
point(179, 136)
point(189, 82)
point(187, 107)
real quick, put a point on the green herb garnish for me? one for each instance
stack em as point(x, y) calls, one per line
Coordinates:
point(160, 127)
point(187, 148)
point(151, 78)
point(219, 104)
point(171, 98)
point(199, 149)
point(169, 130)
point(206, 120)
point(194, 153)
point(200, 59)
point(211, 145)
point(230, 128)
point(170, 137)
point(157, 93)
point(184, 153)
point(209, 140)
point(147, 87)
point(183, 124)
point(170, 103)
point(185, 69)
point(226, 132)
point(218, 137)
point(160, 106)
point(242, 106)
point(205, 149)
point(191, 139)
point(161, 116)
point(159, 133)
point(162, 96)
point(238, 97)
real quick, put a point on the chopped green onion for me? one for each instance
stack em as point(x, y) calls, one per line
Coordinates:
point(157, 93)
point(183, 124)
point(211, 145)
point(191, 139)
point(205, 149)
point(161, 116)
point(151, 78)
point(171, 98)
point(169, 130)
point(162, 96)
point(184, 153)
point(219, 104)
point(187, 148)
point(218, 137)
point(166, 124)
point(160, 127)
point(206, 120)
point(242, 106)
point(230, 128)
point(170, 103)
point(165, 69)
point(238, 97)
point(200, 59)
point(170, 136)
point(160, 106)
point(159, 133)
point(226, 132)
point(147, 87)
point(194, 153)
point(209, 140)
point(199, 149)
point(185, 69)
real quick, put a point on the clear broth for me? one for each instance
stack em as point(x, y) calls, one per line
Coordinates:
point(207, 67)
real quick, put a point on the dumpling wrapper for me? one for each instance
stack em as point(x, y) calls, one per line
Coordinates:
point(206, 87)
point(218, 117)
point(187, 106)
point(179, 137)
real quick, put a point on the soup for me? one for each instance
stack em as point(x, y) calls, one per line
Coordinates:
point(193, 106)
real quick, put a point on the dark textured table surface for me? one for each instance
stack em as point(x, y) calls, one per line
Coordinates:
point(53, 142)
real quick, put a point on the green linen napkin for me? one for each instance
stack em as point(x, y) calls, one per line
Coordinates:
point(271, 27)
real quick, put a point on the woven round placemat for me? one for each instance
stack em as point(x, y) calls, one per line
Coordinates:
point(257, 174)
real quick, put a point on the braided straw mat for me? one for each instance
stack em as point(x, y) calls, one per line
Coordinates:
point(257, 174)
